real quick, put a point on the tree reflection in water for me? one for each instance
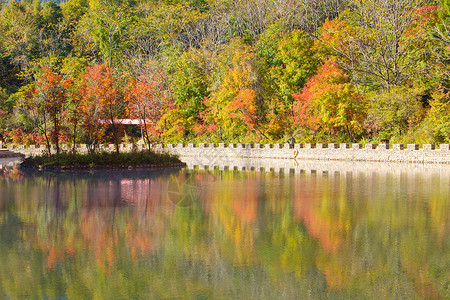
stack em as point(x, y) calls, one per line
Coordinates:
point(224, 234)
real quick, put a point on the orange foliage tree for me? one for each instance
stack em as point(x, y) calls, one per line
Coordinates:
point(329, 103)
point(244, 107)
point(102, 99)
point(52, 89)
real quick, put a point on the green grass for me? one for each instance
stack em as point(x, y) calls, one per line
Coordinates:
point(101, 160)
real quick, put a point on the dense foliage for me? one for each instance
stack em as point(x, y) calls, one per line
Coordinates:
point(224, 71)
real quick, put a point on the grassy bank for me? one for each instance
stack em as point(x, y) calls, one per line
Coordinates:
point(102, 160)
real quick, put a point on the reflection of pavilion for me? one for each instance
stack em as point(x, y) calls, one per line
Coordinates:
point(142, 193)
point(135, 192)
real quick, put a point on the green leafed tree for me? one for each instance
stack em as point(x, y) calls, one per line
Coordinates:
point(294, 62)
point(446, 6)
point(190, 83)
point(113, 22)
point(438, 119)
point(393, 113)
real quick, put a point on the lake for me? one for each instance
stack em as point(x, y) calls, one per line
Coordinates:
point(336, 231)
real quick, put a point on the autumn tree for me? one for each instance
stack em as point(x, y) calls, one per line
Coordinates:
point(18, 41)
point(244, 107)
point(329, 104)
point(149, 101)
point(31, 112)
point(234, 106)
point(53, 89)
point(43, 104)
point(103, 99)
point(442, 36)
point(370, 41)
point(91, 112)
point(74, 112)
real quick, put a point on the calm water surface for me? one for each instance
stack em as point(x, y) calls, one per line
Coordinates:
point(224, 235)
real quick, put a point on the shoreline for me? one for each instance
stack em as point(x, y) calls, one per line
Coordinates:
point(101, 168)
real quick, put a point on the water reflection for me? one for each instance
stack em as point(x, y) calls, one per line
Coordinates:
point(224, 234)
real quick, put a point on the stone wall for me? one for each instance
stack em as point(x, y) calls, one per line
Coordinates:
point(411, 153)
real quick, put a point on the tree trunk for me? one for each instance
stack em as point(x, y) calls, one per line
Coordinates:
point(74, 137)
point(143, 116)
point(56, 134)
point(47, 140)
point(350, 136)
point(115, 134)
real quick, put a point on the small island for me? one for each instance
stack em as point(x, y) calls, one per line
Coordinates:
point(102, 160)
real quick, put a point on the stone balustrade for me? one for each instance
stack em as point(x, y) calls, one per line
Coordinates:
point(410, 153)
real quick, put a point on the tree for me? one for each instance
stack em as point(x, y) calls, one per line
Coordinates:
point(307, 15)
point(244, 107)
point(441, 53)
point(19, 39)
point(294, 62)
point(438, 118)
point(42, 106)
point(74, 111)
point(32, 112)
point(113, 22)
point(51, 88)
point(91, 113)
point(329, 104)
point(104, 98)
point(371, 42)
point(234, 106)
point(446, 5)
point(394, 112)
point(190, 83)
point(54, 33)
point(148, 100)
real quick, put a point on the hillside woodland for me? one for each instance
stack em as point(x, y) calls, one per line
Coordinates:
point(225, 71)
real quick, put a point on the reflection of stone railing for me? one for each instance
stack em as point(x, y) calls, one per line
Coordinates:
point(338, 152)
point(313, 167)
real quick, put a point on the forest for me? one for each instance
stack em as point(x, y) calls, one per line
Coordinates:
point(224, 71)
